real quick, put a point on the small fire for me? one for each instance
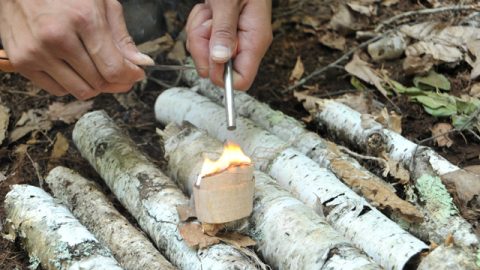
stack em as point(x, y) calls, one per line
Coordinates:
point(232, 155)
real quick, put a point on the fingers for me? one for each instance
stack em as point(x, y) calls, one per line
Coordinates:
point(223, 40)
point(117, 25)
point(198, 30)
point(46, 82)
point(107, 57)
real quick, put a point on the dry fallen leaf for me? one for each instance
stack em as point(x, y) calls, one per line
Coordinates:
point(474, 48)
point(333, 41)
point(32, 120)
point(297, 71)
point(475, 90)
point(344, 22)
point(178, 52)
point(388, 3)
point(376, 191)
point(391, 120)
point(357, 101)
point(4, 119)
point(437, 131)
point(363, 71)
point(418, 64)
point(60, 147)
point(193, 234)
point(156, 46)
point(185, 212)
point(438, 51)
point(212, 229)
point(310, 103)
point(363, 7)
point(396, 170)
point(236, 239)
point(465, 187)
point(70, 112)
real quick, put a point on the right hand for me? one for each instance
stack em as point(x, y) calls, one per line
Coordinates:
point(81, 47)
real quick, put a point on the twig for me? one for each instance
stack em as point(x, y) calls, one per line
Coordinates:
point(344, 57)
point(37, 171)
point(425, 12)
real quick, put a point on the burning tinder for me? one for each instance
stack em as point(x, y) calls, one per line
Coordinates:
point(224, 189)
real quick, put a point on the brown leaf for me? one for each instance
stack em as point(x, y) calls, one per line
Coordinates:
point(297, 71)
point(363, 8)
point(475, 90)
point(185, 212)
point(32, 120)
point(363, 71)
point(333, 41)
point(156, 46)
point(396, 170)
point(193, 234)
point(4, 119)
point(388, 3)
point(60, 147)
point(473, 169)
point(310, 103)
point(344, 22)
point(212, 229)
point(391, 120)
point(357, 101)
point(375, 190)
point(418, 64)
point(70, 112)
point(437, 131)
point(465, 186)
point(178, 52)
point(236, 239)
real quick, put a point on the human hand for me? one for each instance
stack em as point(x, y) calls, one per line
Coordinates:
point(81, 47)
point(219, 30)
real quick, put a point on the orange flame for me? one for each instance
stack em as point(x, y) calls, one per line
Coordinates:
point(232, 155)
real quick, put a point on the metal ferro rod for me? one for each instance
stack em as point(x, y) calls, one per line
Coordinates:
point(229, 102)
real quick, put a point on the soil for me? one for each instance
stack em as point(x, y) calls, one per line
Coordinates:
point(291, 39)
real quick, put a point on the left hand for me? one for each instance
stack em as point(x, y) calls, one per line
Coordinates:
point(221, 29)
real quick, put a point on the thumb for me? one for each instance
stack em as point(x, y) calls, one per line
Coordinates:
point(223, 40)
point(122, 38)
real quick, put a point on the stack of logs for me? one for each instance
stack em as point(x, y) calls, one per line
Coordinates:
point(309, 212)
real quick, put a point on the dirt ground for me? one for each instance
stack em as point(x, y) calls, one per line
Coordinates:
point(291, 39)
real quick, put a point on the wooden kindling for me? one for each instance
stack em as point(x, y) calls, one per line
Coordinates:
point(51, 234)
point(150, 196)
point(289, 234)
point(387, 243)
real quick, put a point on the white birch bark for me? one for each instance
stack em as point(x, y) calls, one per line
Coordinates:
point(311, 144)
point(300, 239)
point(129, 246)
point(50, 233)
point(365, 226)
point(149, 195)
point(423, 163)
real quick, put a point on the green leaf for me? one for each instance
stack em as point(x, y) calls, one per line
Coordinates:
point(433, 81)
point(467, 105)
point(400, 89)
point(460, 121)
point(437, 104)
point(357, 84)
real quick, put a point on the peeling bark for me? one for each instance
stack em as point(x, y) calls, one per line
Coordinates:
point(50, 233)
point(365, 226)
point(300, 239)
point(129, 246)
point(374, 189)
point(421, 161)
point(149, 195)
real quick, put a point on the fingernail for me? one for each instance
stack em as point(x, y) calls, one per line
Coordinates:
point(144, 59)
point(221, 53)
point(207, 23)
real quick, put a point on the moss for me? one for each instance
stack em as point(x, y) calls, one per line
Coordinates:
point(436, 197)
point(478, 258)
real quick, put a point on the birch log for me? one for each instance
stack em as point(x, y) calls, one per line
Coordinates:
point(149, 195)
point(365, 226)
point(52, 236)
point(374, 189)
point(426, 166)
point(129, 246)
point(300, 239)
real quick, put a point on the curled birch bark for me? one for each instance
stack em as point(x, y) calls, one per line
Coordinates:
point(149, 195)
point(385, 242)
point(301, 239)
point(52, 236)
point(426, 166)
point(129, 246)
point(374, 189)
